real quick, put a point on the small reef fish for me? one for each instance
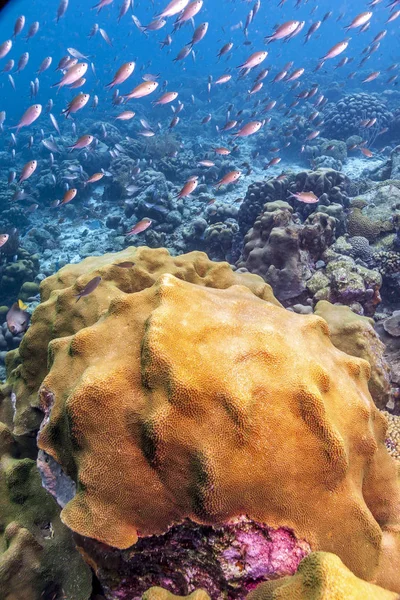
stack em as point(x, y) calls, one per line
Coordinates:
point(230, 177)
point(29, 116)
point(143, 89)
point(76, 104)
point(306, 197)
point(94, 178)
point(28, 170)
point(83, 142)
point(166, 98)
point(5, 48)
point(249, 129)
point(188, 188)
point(73, 74)
point(173, 8)
point(68, 196)
point(254, 60)
point(17, 319)
point(222, 151)
point(89, 288)
point(125, 265)
point(4, 237)
point(367, 153)
point(140, 226)
point(122, 74)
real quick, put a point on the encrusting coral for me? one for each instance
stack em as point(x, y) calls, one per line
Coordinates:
point(320, 576)
point(177, 401)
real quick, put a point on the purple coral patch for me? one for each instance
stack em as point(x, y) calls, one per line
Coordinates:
point(227, 561)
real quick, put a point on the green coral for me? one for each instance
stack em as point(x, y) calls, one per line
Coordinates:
point(38, 558)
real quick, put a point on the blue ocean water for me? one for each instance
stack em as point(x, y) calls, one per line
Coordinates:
point(224, 18)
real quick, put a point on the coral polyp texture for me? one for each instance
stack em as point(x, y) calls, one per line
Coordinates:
point(178, 401)
point(60, 315)
point(355, 335)
point(321, 576)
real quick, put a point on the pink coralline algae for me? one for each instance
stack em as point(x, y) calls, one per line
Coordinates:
point(226, 561)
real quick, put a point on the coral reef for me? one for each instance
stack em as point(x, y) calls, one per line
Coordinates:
point(14, 274)
point(355, 335)
point(320, 576)
point(272, 249)
point(330, 186)
point(113, 404)
point(38, 558)
point(58, 315)
point(344, 281)
point(343, 118)
point(227, 560)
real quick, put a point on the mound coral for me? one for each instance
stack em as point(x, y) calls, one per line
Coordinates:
point(356, 336)
point(182, 402)
point(38, 558)
point(59, 315)
point(272, 249)
point(321, 576)
point(344, 117)
point(329, 185)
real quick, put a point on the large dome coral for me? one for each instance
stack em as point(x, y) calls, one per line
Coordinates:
point(183, 402)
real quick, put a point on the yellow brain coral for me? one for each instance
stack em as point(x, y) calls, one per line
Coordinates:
point(184, 401)
point(320, 576)
point(59, 315)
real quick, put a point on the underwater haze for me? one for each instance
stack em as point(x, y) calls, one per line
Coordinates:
point(199, 299)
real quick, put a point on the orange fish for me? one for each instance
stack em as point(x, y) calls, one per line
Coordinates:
point(72, 75)
point(360, 20)
point(222, 151)
point(166, 98)
point(69, 195)
point(27, 170)
point(173, 8)
point(142, 90)
point(122, 74)
point(29, 116)
point(254, 60)
point(3, 239)
point(206, 163)
point(249, 129)
point(230, 177)
point(76, 104)
point(336, 50)
point(94, 178)
point(125, 115)
point(140, 226)
point(223, 79)
point(283, 31)
point(82, 142)
point(306, 197)
point(188, 188)
point(273, 162)
point(367, 152)
point(371, 77)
